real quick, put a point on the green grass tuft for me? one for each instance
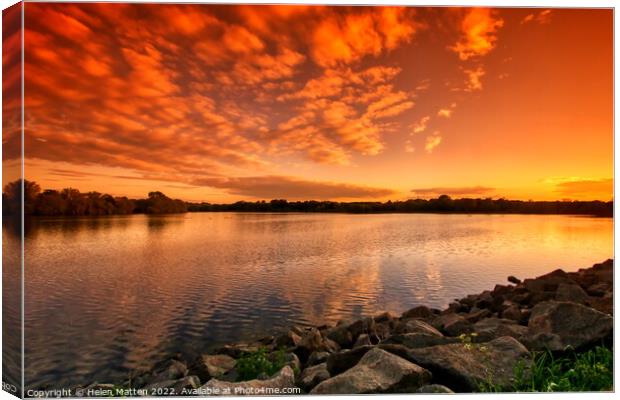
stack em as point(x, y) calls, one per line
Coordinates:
point(575, 372)
point(252, 365)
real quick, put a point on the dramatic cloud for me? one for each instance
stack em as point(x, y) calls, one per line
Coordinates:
point(344, 40)
point(186, 92)
point(479, 33)
point(432, 142)
point(215, 96)
point(454, 191)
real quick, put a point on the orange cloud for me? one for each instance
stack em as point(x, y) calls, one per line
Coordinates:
point(479, 33)
point(474, 78)
point(444, 112)
point(270, 187)
point(432, 142)
point(343, 39)
point(543, 17)
point(421, 125)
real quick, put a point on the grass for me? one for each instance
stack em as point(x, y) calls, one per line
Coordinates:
point(590, 371)
point(259, 363)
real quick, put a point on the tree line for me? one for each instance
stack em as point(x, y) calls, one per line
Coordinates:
point(71, 201)
point(443, 203)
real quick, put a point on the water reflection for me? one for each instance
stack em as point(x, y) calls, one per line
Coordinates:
point(108, 295)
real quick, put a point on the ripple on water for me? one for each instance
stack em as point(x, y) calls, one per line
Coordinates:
point(107, 295)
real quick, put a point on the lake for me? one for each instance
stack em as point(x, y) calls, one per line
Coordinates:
point(110, 294)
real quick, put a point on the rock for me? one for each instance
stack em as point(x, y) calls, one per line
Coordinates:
point(514, 279)
point(603, 304)
point(290, 359)
point(284, 379)
point(365, 325)
point(382, 330)
point(513, 313)
point(548, 282)
point(477, 315)
point(571, 292)
point(210, 366)
point(492, 328)
point(604, 272)
point(566, 324)
point(418, 312)
point(464, 367)
point(312, 376)
point(522, 298)
point(415, 326)
point(455, 307)
point(485, 300)
point(345, 359)
point(317, 357)
point(185, 383)
point(385, 317)
point(434, 389)
point(313, 341)
point(452, 324)
point(539, 297)
point(288, 339)
point(362, 340)
point(377, 372)
point(237, 350)
point(417, 340)
point(341, 335)
point(599, 289)
point(176, 370)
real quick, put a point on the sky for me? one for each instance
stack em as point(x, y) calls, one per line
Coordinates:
point(227, 103)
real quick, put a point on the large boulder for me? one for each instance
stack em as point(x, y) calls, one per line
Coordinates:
point(557, 325)
point(452, 324)
point(312, 376)
point(279, 382)
point(343, 360)
point(465, 366)
point(492, 328)
point(377, 372)
point(415, 326)
point(548, 282)
point(210, 366)
point(571, 292)
point(422, 312)
point(341, 335)
point(417, 340)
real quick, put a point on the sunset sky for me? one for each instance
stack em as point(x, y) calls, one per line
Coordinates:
point(227, 103)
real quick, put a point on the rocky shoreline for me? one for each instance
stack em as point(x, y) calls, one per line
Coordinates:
point(478, 339)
